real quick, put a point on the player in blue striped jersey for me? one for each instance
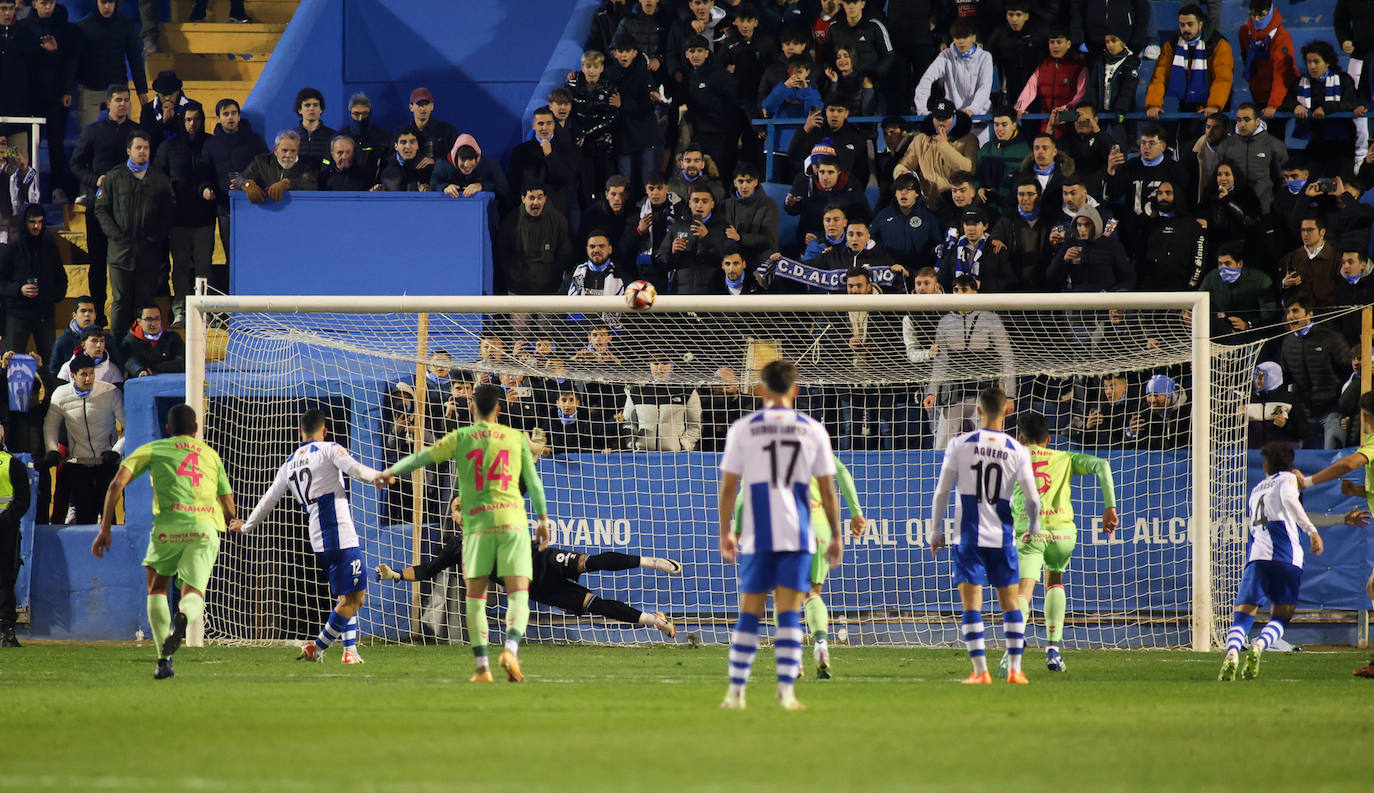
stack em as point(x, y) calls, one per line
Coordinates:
point(1273, 570)
point(314, 475)
point(771, 456)
point(985, 466)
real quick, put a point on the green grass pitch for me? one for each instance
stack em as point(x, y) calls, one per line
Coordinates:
point(91, 718)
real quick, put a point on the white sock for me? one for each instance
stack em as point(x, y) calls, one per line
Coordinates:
point(513, 646)
point(822, 647)
point(648, 619)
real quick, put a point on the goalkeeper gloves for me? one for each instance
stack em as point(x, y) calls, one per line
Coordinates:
point(277, 190)
point(52, 459)
point(254, 193)
point(385, 573)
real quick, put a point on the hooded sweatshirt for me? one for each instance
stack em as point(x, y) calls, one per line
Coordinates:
point(967, 80)
point(1101, 266)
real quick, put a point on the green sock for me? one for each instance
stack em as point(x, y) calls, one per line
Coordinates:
point(477, 628)
point(517, 614)
point(1055, 601)
point(192, 605)
point(817, 617)
point(160, 617)
point(1025, 608)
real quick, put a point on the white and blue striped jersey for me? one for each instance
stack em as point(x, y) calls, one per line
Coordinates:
point(984, 466)
point(314, 475)
point(1276, 517)
point(775, 452)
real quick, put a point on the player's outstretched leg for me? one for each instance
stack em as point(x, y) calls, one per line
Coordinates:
point(744, 646)
point(332, 631)
point(971, 625)
point(612, 560)
point(787, 646)
point(517, 619)
point(350, 642)
point(1055, 605)
point(623, 612)
point(1235, 642)
point(476, 614)
point(818, 623)
point(1014, 632)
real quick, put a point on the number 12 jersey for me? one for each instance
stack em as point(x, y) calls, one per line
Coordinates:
point(314, 475)
point(775, 452)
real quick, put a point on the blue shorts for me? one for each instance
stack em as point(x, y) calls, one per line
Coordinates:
point(344, 568)
point(1275, 583)
point(975, 565)
point(760, 573)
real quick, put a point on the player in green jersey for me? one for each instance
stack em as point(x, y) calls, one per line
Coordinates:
point(1363, 456)
point(817, 615)
point(492, 460)
point(192, 501)
point(1052, 547)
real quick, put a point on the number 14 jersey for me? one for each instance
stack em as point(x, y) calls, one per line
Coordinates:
point(314, 475)
point(188, 479)
point(776, 452)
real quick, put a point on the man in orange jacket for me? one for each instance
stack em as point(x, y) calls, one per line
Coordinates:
point(1196, 70)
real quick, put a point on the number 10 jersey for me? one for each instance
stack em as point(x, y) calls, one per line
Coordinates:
point(984, 466)
point(776, 452)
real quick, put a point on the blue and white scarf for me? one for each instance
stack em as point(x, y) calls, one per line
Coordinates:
point(23, 376)
point(1188, 78)
point(1259, 51)
point(963, 265)
point(826, 280)
point(1332, 93)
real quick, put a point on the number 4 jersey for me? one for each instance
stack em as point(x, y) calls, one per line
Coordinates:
point(188, 479)
point(314, 475)
point(985, 466)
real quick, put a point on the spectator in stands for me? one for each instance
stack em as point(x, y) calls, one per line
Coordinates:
point(1058, 83)
point(50, 86)
point(746, 50)
point(860, 250)
point(33, 281)
point(1105, 423)
point(1174, 255)
point(373, 142)
point(18, 188)
point(646, 238)
point(963, 195)
point(1026, 233)
point(464, 172)
point(906, 228)
point(1311, 269)
point(406, 170)
point(866, 38)
point(604, 24)
point(1349, 218)
point(1000, 159)
point(150, 349)
point(873, 343)
point(225, 157)
point(965, 338)
point(1113, 76)
point(695, 167)
point(1092, 262)
point(943, 147)
point(849, 145)
point(751, 217)
point(314, 134)
point(236, 13)
point(1316, 362)
point(704, 19)
point(736, 276)
point(599, 274)
point(610, 214)
point(193, 230)
point(1203, 160)
point(695, 244)
point(1243, 297)
point(100, 148)
point(1163, 424)
point(713, 110)
point(834, 221)
point(595, 102)
point(1355, 288)
point(1197, 70)
point(793, 97)
point(1271, 413)
point(135, 208)
point(1017, 47)
point(638, 138)
point(918, 328)
point(842, 77)
point(109, 42)
point(572, 429)
point(83, 316)
point(269, 176)
point(646, 27)
point(964, 72)
point(1090, 146)
point(1255, 154)
point(95, 344)
point(436, 136)
point(1050, 168)
point(566, 131)
point(1231, 212)
point(544, 161)
point(521, 410)
point(1089, 23)
point(1266, 50)
point(810, 197)
point(532, 246)
point(343, 172)
point(1322, 90)
point(793, 43)
point(163, 117)
point(897, 138)
point(721, 405)
point(1132, 183)
point(973, 254)
point(91, 411)
point(1075, 199)
point(662, 416)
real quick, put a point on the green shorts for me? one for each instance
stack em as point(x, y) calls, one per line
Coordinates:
point(1049, 551)
point(820, 568)
point(502, 551)
point(185, 552)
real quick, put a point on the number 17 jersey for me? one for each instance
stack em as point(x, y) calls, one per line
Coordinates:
point(775, 452)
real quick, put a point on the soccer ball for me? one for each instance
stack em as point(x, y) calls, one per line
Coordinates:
point(640, 295)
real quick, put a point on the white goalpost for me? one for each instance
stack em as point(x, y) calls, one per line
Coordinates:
point(628, 408)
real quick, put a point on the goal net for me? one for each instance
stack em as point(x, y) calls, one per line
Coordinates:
point(628, 412)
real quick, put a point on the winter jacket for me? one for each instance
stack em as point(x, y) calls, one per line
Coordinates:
point(648, 32)
point(92, 421)
point(164, 355)
point(265, 171)
point(1175, 254)
point(1221, 66)
point(1318, 131)
point(1318, 273)
point(371, 142)
point(1102, 265)
point(749, 57)
point(785, 102)
point(1057, 82)
point(1116, 97)
point(486, 173)
point(400, 176)
point(137, 216)
point(103, 145)
point(814, 200)
point(1028, 247)
point(1135, 183)
point(995, 270)
point(54, 73)
point(355, 179)
point(967, 81)
point(1091, 20)
point(159, 128)
point(1237, 218)
point(642, 249)
point(1052, 190)
point(1353, 21)
point(1252, 297)
point(1360, 293)
point(601, 33)
point(663, 417)
point(675, 65)
point(869, 41)
point(637, 126)
point(695, 267)
point(710, 96)
point(315, 145)
point(1017, 53)
point(599, 217)
point(680, 186)
point(1259, 159)
point(591, 107)
point(557, 170)
point(64, 347)
point(911, 237)
point(936, 162)
point(225, 153)
point(106, 45)
point(1316, 365)
point(1277, 74)
point(851, 149)
point(756, 220)
point(999, 162)
point(28, 258)
point(531, 252)
point(179, 158)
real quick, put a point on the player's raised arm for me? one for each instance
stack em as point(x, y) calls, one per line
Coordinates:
point(350, 466)
point(1351, 462)
point(1289, 494)
point(857, 523)
point(534, 488)
point(939, 503)
point(1088, 465)
point(439, 452)
point(1026, 478)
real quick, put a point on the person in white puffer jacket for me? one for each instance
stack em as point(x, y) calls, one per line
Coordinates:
point(93, 414)
point(964, 71)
